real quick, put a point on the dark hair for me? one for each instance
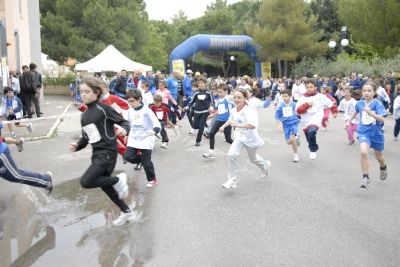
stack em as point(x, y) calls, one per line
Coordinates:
point(374, 87)
point(96, 84)
point(313, 82)
point(255, 90)
point(32, 66)
point(222, 87)
point(24, 67)
point(135, 94)
point(163, 82)
point(287, 92)
point(8, 89)
point(146, 84)
point(203, 80)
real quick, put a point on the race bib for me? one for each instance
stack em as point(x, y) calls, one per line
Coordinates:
point(201, 97)
point(287, 112)
point(92, 133)
point(137, 121)
point(221, 109)
point(160, 115)
point(366, 118)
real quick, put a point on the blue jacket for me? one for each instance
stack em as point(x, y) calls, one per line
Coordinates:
point(187, 86)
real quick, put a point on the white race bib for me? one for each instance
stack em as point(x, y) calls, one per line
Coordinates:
point(221, 109)
point(287, 112)
point(201, 97)
point(366, 118)
point(160, 114)
point(137, 121)
point(92, 133)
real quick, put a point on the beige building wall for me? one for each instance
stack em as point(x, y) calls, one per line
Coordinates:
point(22, 20)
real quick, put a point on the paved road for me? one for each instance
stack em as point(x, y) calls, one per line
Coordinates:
point(310, 213)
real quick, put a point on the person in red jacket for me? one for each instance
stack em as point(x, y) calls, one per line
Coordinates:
point(120, 105)
point(161, 110)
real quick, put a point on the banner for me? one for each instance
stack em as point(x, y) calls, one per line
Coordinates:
point(266, 69)
point(178, 65)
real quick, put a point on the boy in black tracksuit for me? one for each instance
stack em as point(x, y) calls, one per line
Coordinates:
point(98, 130)
point(202, 106)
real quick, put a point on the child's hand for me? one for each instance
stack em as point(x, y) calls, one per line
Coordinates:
point(120, 132)
point(368, 110)
point(77, 105)
point(73, 146)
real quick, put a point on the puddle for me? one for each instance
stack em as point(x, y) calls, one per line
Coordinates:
point(73, 226)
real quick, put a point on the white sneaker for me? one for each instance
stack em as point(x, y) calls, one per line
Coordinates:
point(365, 182)
point(29, 126)
point(191, 131)
point(296, 158)
point(121, 186)
point(313, 155)
point(126, 217)
point(164, 145)
point(265, 172)
point(209, 155)
point(230, 183)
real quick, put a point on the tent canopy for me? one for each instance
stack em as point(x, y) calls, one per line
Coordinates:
point(110, 59)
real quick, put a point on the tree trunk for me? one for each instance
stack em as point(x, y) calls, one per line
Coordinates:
point(279, 68)
point(286, 68)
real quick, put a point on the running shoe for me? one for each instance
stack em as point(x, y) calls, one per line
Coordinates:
point(266, 170)
point(121, 186)
point(295, 158)
point(138, 167)
point(51, 186)
point(206, 135)
point(209, 155)
point(191, 132)
point(20, 144)
point(152, 183)
point(365, 182)
point(29, 126)
point(383, 174)
point(313, 155)
point(164, 145)
point(351, 142)
point(230, 183)
point(126, 218)
point(197, 144)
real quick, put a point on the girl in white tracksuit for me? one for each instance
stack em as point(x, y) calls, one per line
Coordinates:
point(144, 126)
point(245, 123)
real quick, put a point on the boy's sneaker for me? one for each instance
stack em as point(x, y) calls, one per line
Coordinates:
point(313, 155)
point(206, 135)
point(395, 138)
point(13, 135)
point(365, 182)
point(164, 145)
point(191, 132)
point(383, 174)
point(121, 186)
point(29, 126)
point(126, 218)
point(209, 155)
point(295, 158)
point(152, 183)
point(351, 142)
point(20, 144)
point(138, 167)
point(197, 144)
point(265, 172)
point(230, 183)
point(51, 186)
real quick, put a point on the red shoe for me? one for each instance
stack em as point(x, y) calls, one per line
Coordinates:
point(152, 183)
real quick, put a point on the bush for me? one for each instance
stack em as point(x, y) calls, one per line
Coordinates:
point(64, 81)
point(345, 64)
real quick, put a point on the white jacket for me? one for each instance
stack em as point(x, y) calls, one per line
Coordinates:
point(314, 114)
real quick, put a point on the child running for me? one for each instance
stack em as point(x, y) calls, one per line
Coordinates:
point(396, 114)
point(311, 109)
point(245, 123)
point(327, 92)
point(222, 115)
point(370, 130)
point(348, 106)
point(98, 130)
point(161, 110)
point(11, 108)
point(286, 113)
point(144, 127)
point(202, 107)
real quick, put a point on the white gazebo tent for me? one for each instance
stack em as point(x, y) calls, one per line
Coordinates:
point(110, 59)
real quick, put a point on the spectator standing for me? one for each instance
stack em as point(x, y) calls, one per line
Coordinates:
point(37, 86)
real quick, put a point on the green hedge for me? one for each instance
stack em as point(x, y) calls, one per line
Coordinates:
point(344, 65)
point(66, 80)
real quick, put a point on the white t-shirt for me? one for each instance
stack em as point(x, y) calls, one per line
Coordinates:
point(248, 137)
point(315, 113)
point(348, 107)
point(298, 91)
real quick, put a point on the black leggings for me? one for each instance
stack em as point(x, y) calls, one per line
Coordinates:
point(143, 157)
point(200, 120)
point(163, 132)
point(214, 131)
point(99, 175)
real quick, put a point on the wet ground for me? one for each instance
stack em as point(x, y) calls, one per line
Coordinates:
point(308, 214)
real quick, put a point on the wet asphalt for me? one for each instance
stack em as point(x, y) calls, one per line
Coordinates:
point(310, 213)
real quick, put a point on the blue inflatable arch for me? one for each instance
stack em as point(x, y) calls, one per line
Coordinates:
point(202, 42)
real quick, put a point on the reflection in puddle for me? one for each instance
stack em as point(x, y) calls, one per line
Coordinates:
point(80, 219)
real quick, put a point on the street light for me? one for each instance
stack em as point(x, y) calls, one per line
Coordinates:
point(344, 41)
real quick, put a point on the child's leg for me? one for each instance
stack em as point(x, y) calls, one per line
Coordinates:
point(148, 164)
point(381, 159)
point(350, 132)
point(214, 129)
point(163, 132)
point(202, 119)
point(228, 134)
point(233, 155)
point(325, 119)
point(292, 142)
point(397, 128)
point(364, 157)
point(255, 158)
point(13, 174)
point(311, 136)
point(132, 155)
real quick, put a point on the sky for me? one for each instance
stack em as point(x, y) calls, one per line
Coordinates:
point(166, 9)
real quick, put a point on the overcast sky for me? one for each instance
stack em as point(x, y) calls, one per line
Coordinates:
point(166, 9)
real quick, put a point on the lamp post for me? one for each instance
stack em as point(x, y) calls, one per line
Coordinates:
point(344, 42)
